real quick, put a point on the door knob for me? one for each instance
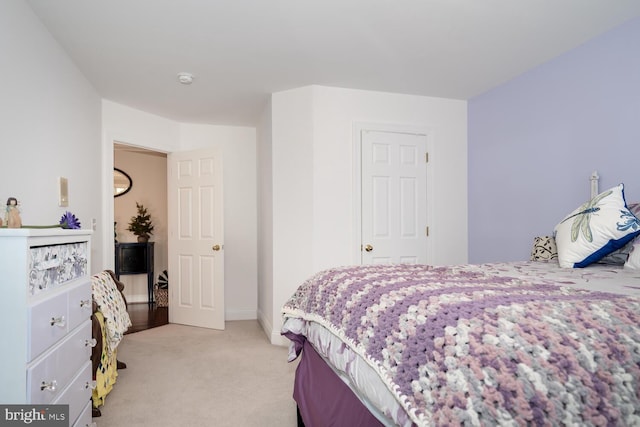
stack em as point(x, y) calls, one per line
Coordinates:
point(216, 247)
point(368, 248)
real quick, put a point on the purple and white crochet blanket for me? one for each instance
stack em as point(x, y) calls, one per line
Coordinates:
point(461, 345)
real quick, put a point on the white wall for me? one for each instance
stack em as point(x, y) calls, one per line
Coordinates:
point(292, 180)
point(126, 124)
point(313, 171)
point(265, 220)
point(238, 147)
point(335, 113)
point(49, 126)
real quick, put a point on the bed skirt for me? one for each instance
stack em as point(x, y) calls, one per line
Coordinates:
point(323, 398)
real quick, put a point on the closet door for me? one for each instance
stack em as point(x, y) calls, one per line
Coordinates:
point(394, 197)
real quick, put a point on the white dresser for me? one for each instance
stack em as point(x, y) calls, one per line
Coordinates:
point(45, 325)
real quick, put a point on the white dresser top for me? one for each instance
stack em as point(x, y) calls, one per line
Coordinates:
point(38, 232)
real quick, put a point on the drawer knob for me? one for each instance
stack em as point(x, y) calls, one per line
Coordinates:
point(49, 386)
point(85, 303)
point(58, 321)
point(90, 343)
point(90, 384)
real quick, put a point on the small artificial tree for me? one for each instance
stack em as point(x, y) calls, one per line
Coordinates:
point(141, 224)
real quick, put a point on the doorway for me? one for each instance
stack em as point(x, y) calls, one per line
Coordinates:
point(148, 172)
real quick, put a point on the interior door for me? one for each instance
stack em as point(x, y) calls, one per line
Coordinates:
point(195, 246)
point(394, 197)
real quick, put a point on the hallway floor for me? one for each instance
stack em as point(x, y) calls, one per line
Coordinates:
point(146, 316)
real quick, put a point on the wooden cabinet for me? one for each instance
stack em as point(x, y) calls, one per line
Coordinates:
point(136, 258)
point(45, 311)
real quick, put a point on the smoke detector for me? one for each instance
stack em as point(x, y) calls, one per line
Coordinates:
point(185, 78)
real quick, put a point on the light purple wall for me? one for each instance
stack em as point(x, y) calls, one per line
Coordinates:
point(534, 141)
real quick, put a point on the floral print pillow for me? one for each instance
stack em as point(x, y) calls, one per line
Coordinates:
point(595, 229)
point(620, 256)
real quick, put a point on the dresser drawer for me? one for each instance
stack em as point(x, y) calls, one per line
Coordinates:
point(58, 366)
point(48, 323)
point(85, 419)
point(78, 394)
point(52, 318)
point(80, 306)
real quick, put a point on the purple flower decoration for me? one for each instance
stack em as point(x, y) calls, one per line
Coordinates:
point(69, 221)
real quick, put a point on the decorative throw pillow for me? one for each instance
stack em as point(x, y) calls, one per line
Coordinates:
point(617, 257)
point(595, 229)
point(634, 208)
point(620, 256)
point(634, 256)
point(544, 249)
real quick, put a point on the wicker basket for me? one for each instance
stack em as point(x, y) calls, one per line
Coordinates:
point(161, 297)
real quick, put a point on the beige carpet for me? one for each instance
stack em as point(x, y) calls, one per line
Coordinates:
point(185, 376)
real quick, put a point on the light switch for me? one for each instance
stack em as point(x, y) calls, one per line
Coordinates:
point(63, 192)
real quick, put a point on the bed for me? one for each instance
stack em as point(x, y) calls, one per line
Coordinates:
point(520, 343)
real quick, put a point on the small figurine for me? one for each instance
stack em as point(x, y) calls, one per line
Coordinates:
point(13, 213)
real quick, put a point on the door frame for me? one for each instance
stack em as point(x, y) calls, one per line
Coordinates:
point(358, 128)
point(108, 205)
point(108, 163)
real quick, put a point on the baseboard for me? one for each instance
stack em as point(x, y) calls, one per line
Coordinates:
point(273, 334)
point(277, 339)
point(137, 298)
point(240, 315)
point(265, 324)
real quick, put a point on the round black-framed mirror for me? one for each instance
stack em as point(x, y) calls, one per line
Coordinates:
point(122, 182)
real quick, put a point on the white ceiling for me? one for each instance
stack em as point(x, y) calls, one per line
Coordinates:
point(240, 51)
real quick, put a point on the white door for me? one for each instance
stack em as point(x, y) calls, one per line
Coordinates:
point(196, 253)
point(394, 197)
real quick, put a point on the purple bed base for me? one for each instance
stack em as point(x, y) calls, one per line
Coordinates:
point(323, 398)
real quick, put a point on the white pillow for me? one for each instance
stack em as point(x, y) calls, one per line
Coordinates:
point(634, 256)
point(595, 229)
